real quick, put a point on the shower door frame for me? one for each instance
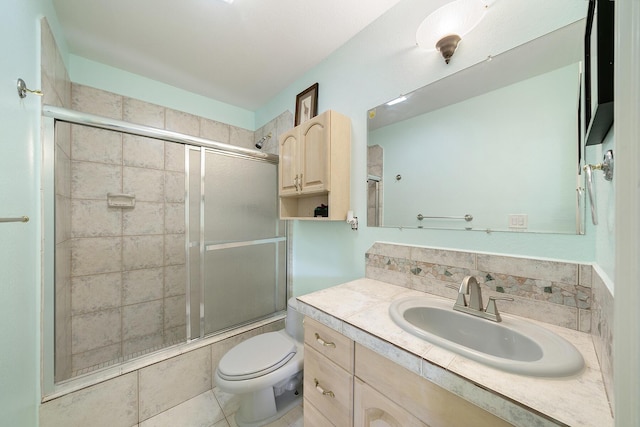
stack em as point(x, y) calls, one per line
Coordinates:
point(50, 114)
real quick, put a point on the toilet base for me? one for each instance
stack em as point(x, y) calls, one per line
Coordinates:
point(262, 407)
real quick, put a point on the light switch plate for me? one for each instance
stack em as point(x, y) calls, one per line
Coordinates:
point(518, 221)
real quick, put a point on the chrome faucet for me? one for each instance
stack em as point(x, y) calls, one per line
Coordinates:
point(471, 288)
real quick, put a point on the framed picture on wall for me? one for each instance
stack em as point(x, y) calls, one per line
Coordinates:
point(306, 104)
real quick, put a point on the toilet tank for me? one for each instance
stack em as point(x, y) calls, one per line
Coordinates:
point(293, 321)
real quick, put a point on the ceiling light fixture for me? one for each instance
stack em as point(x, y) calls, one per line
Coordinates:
point(445, 27)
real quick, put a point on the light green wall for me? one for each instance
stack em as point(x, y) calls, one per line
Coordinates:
point(605, 202)
point(20, 160)
point(375, 66)
point(95, 74)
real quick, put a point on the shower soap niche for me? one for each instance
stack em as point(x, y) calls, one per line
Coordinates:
point(121, 200)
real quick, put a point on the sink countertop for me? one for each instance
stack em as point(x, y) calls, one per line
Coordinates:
point(359, 310)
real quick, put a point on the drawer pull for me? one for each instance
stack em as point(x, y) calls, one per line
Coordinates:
point(323, 391)
point(323, 342)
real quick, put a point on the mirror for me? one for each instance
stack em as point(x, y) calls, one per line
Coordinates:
point(494, 147)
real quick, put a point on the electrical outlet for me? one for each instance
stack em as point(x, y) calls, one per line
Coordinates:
point(518, 221)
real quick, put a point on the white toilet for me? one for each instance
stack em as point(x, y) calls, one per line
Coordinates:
point(266, 371)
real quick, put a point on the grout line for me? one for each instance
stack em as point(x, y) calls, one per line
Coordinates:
point(138, 395)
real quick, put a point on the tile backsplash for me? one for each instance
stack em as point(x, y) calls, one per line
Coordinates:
point(571, 295)
point(549, 291)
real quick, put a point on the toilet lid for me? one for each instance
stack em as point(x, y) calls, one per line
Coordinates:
point(257, 356)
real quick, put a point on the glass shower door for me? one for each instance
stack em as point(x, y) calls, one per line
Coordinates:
point(241, 243)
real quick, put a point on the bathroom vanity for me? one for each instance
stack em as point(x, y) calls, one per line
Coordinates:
point(362, 369)
point(347, 384)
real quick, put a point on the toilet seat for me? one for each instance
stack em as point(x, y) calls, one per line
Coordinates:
point(257, 356)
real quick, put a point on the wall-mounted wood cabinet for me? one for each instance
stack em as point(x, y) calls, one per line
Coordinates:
point(315, 168)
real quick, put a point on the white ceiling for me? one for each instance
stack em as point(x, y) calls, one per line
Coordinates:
point(241, 54)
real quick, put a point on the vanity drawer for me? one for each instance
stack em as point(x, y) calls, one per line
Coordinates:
point(329, 343)
point(328, 387)
point(313, 417)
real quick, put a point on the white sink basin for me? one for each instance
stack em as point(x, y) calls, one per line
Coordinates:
point(513, 345)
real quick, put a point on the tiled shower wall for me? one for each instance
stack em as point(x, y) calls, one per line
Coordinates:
point(566, 294)
point(128, 274)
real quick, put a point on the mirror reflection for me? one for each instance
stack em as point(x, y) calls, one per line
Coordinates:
point(494, 147)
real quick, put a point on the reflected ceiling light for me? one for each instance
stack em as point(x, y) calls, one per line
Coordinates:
point(444, 28)
point(398, 100)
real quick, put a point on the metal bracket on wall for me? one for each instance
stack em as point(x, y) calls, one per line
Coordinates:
point(23, 89)
point(606, 166)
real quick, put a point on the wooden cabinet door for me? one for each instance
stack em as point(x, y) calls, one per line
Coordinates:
point(315, 140)
point(372, 409)
point(289, 163)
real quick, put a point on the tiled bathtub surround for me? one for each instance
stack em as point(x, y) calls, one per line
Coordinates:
point(112, 282)
point(140, 394)
point(127, 266)
point(565, 294)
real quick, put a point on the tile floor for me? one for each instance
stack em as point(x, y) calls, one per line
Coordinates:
point(213, 408)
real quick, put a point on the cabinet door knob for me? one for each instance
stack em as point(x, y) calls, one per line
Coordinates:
point(323, 342)
point(323, 391)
